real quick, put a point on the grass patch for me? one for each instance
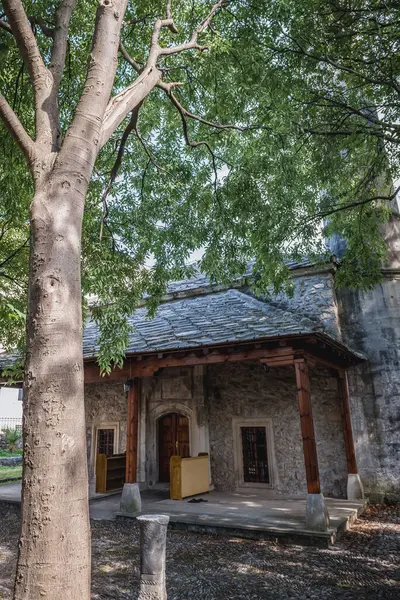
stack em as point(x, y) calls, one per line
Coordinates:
point(10, 472)
point(6, 453)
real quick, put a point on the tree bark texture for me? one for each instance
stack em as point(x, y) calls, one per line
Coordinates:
point(54, 550)
point(52, 563)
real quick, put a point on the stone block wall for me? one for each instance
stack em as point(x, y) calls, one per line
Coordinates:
point(371, 323)
point(173, 390)
point(248, 390)
point(104, 403)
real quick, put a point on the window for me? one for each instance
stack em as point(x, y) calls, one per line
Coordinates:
point(255, 455)
point(105, 441)
point(253, 452)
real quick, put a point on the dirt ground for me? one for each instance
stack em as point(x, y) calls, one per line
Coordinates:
point(364, 565)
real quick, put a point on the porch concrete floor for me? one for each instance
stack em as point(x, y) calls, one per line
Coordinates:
point(248, 513)
point(254, 514)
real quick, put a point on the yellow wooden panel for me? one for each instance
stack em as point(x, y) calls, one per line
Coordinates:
point(101, 474)
point(188, 476)
point(194, 476)
point(175, 472)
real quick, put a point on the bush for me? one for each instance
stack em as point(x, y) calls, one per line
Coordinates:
point(12, 437)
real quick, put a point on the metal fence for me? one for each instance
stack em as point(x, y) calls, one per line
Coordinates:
point(12, 422)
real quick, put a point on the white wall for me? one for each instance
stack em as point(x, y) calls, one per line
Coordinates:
point(10, 406)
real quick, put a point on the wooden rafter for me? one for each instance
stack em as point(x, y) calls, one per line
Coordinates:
point(275, 353)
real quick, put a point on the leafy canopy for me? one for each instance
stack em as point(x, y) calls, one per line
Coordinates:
point(311, 90)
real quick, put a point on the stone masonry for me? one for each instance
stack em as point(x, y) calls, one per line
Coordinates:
point(248, 390)
point(105, 404)
point(371, 323)
point(173, 390)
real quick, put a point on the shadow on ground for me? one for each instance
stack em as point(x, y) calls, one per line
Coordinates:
point(363, 566)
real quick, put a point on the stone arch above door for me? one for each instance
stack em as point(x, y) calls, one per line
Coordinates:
point(164, 409)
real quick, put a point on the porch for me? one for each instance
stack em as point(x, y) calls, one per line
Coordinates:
point(251, 514)
point(250, 408)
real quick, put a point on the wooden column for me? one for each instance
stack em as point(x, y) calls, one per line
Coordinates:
point(132, 431)
point(307, 427)
point(343, 392)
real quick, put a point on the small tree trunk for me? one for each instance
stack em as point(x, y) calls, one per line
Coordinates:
point(52, 563)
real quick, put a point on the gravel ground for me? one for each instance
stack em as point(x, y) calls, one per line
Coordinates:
point(364, 565)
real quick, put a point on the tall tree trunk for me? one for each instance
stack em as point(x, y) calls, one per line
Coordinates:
point(54, 551)
point(52, 563)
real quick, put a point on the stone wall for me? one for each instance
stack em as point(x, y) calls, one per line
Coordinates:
point(248, 390)
point(371, 323)
point(104, 403)
point(173, 390)
point(212, 398)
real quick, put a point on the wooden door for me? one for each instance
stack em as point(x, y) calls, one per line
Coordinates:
point(173, 440)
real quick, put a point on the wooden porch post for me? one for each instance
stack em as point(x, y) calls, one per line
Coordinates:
point(317, 517)
point(355, 489)
point(307, 428)
point(132, 432)
point(346, 420)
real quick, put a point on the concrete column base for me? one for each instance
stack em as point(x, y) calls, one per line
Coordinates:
point(153, 541)
point(131, 501)
point(317, 516)
point(355, 489)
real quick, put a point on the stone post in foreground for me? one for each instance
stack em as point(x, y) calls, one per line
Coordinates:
point(153, 541)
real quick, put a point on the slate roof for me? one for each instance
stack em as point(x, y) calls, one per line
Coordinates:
point(228, 316)
point(200, 280)
point(198, 314)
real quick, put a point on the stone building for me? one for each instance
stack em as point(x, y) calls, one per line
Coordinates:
point(293, 395)
point(298, 396)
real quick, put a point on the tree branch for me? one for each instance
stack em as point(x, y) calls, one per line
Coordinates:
point(358, 203)
point(48, 31)
point(4, 228)
point(367, 113)
point(168, 87)
point(13, 254)
point(90, 114)
point(6, 26)
point(132, 126)
point(138, 67)
point(114, 171)
point(349, 132)
point(46, 108)
point(191, 115)
point(124, 102)
point(192, 43)
point(60, 36)
point(172, 27)
point(17, 130)
point(335, 209)
point(335, 64)
point(145, 148)
point(2, 274)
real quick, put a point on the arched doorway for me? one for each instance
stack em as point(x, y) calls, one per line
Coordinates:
point(173, 440)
